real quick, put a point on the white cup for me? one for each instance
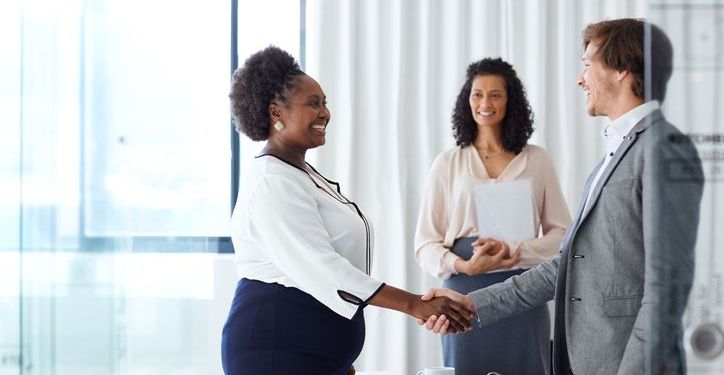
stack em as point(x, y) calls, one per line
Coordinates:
point(437, 371)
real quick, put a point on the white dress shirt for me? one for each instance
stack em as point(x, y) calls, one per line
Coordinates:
point(614, 134)
point(292, 227)
point(448, 207)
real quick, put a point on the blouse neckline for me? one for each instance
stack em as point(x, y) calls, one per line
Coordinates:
point(511, 171)
point(339, 197)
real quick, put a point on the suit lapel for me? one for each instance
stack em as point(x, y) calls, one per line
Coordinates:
point(628, 141)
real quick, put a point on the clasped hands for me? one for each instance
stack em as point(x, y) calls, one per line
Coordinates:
point(488, 254)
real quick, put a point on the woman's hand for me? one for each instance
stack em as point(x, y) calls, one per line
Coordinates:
point(488, 254)
point(497, 246)
point(457, 313)
point(351, 371)
point(413, 304)
point(441, 324)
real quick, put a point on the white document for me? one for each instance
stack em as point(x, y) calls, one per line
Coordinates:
point(505, 211)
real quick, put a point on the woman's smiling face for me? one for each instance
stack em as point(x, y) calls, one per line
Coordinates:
point(488, 100)
point(305, 114)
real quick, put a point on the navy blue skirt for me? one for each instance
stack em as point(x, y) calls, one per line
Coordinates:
point(518, 345)
point(273, 329)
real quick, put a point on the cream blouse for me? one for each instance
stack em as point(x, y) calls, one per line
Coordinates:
point(448, 207)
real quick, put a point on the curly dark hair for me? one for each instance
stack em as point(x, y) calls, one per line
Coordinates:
point(267, 75)
point(518, 121)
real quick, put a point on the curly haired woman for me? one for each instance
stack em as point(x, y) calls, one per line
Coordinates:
point(492, 122)
point(303, 250)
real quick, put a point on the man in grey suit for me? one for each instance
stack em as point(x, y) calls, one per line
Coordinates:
point(624, 270)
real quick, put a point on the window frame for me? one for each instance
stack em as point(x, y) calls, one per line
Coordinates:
point(181, 244)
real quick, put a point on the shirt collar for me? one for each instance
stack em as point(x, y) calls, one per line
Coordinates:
point(623, 125)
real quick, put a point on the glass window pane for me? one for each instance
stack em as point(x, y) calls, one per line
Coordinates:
point(123, 122)
point(10, 129)
point(156, 144)
point(10, 336)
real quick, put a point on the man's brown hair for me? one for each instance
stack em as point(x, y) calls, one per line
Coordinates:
point(625, 44)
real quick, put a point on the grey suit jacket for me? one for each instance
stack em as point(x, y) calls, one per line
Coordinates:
point(624, 269)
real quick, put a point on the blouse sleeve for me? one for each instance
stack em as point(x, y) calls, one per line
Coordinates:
point(286, 225)
point(554, 219)
point(432, 223)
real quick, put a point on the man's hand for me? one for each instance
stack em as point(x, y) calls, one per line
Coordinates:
point(457, 314)
point(412, 304)
point(441, 323)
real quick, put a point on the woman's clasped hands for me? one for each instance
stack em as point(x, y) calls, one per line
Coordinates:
point(488, 254)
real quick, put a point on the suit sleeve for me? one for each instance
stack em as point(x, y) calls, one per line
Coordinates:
point(517, 294)
point(672, 189)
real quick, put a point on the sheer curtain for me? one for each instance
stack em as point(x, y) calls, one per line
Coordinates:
point(391, 70)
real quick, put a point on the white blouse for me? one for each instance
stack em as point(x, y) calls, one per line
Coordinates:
point(293, 227)
point(448, 207)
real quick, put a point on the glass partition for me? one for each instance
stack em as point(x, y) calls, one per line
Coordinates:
point(694, 103)
point(10, 281)
point(116, 179)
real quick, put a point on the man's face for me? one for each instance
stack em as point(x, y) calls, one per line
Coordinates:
point(597, 81)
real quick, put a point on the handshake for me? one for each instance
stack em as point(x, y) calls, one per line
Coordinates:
point(445, 311)
point(448, 311)
point(442, 310)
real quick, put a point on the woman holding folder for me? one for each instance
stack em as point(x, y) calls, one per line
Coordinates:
point(492, 122)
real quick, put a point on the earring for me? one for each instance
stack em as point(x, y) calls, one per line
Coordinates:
point(279, 125)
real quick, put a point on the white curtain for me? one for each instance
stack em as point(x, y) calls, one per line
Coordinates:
point(391, 70)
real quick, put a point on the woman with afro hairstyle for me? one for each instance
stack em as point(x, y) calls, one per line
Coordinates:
point(492, 122)
point(303, 250)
